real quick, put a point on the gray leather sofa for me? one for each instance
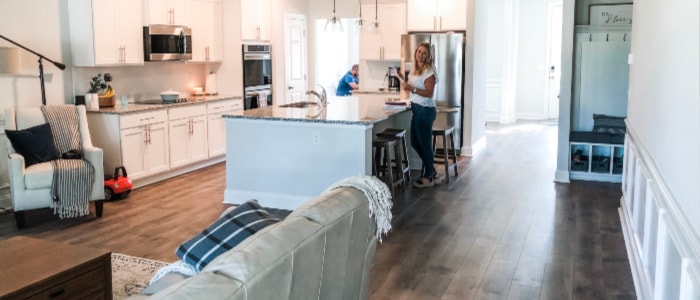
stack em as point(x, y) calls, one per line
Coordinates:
point(322, 250)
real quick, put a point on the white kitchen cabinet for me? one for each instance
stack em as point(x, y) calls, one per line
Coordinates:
point(105, 33)
point(137, 141)
point(188, 135)
point(217, 126)
point(387, 45)
point(440, 15)
point(145, 150)
point(166, 12)
point(255, 20)
point(206, 21)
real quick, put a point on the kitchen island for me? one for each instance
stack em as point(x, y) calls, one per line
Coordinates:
point(284, 156)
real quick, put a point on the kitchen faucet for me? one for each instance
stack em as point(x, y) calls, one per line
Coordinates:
point(321, 97)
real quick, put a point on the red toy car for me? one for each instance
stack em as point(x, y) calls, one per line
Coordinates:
point(118, 186)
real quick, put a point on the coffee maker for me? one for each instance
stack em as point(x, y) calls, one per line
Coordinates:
point(393, 82)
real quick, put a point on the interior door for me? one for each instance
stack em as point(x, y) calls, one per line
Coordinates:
point(295, 57)
point(554, 57)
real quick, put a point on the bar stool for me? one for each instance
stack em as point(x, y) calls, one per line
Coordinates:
point(400, 136)
point(447, 153)
point(381, 164)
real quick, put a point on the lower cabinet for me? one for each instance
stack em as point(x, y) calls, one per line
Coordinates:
point(596, 162)
point(217, 126)
point(162, 141)
point(188, 135)
point(145, 150)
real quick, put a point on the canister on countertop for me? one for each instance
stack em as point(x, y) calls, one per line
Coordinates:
point(210, 88)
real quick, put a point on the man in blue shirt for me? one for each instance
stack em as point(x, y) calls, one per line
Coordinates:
point(349, 82)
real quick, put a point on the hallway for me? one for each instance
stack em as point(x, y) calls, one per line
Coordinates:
point(505, 230)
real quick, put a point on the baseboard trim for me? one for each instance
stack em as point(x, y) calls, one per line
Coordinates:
point(642, 285)
point(144, 181)
point(561, 176)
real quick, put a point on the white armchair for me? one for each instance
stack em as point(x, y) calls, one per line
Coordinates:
point(31, 186)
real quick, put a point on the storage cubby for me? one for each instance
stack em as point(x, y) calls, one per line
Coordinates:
point(596, 161)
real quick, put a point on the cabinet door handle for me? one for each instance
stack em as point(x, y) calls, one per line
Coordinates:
point(145, 135)
point(435, 22)
point(440, 22)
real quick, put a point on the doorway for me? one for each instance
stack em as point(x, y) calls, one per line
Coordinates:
point(295, 57)
point(553, 79)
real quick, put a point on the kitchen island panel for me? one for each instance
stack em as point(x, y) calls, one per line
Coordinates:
point(282, 164)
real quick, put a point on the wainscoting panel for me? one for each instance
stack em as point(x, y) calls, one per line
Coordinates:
point(662, 247)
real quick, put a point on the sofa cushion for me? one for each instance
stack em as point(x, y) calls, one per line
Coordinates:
point(224, 234)
point(38, 176)
point(34, 143)
point(612, 125)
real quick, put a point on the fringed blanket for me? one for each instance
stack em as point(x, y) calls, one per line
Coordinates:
point(72, 178)
point(378, 195)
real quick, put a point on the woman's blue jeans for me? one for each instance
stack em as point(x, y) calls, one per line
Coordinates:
point(422, 136)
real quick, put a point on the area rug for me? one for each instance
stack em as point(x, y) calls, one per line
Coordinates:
point(130, 274)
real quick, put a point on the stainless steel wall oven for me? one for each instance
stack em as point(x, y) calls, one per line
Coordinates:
point(257, 75)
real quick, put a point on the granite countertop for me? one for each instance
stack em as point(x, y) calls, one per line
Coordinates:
point(141, 107)
point(359, 110)
point(375, 92)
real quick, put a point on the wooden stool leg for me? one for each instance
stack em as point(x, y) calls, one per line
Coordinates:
point(407, 167)
point(446, 158)
point(387, 161)
point(454, 152)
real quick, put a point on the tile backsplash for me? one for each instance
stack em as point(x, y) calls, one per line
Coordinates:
point(146, 81)
point(372, 73)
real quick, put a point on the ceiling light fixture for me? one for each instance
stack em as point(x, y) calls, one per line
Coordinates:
point(359, 24)
point(333, 24)
point(375, 27)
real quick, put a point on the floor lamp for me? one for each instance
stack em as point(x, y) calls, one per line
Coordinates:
point(41, 66)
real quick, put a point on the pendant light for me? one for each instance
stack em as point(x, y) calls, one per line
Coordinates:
point(360, 23)
point(333, 24)
point(375, 27)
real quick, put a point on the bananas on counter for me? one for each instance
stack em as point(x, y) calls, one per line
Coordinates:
point(109, 92)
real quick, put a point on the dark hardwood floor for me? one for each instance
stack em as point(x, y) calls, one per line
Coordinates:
point(502, 230)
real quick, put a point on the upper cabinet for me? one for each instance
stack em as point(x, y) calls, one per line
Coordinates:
point(104, 33)
point(166, 12)
point(206, 21)
point(387, 45)
point(440, 15)
point(255, 20)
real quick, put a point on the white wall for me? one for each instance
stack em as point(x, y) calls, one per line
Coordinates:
point(664, 102)
point(39, 25)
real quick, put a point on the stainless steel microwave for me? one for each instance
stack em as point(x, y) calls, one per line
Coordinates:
point(164, 43)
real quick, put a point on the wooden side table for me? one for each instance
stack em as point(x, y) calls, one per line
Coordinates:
point(41, 269)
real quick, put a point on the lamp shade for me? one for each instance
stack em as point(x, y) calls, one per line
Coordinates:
point(9, 60)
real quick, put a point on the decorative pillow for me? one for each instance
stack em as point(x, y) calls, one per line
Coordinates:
point(612, 125)
point(34, 143)
point(224, 234)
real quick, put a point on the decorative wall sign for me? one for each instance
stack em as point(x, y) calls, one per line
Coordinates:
point(610, 14)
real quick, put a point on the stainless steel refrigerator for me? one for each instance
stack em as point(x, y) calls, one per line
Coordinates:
point(448, 52)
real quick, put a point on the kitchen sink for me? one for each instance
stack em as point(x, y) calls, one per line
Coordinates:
point(300, 104)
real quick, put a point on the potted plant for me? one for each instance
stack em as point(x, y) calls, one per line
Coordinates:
point(99, 85)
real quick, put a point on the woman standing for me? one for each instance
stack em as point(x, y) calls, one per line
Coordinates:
point(421, 85)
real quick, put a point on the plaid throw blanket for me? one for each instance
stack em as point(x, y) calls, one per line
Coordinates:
point(72, 178)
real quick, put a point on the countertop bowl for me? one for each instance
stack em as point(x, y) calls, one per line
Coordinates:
point(169, 96)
